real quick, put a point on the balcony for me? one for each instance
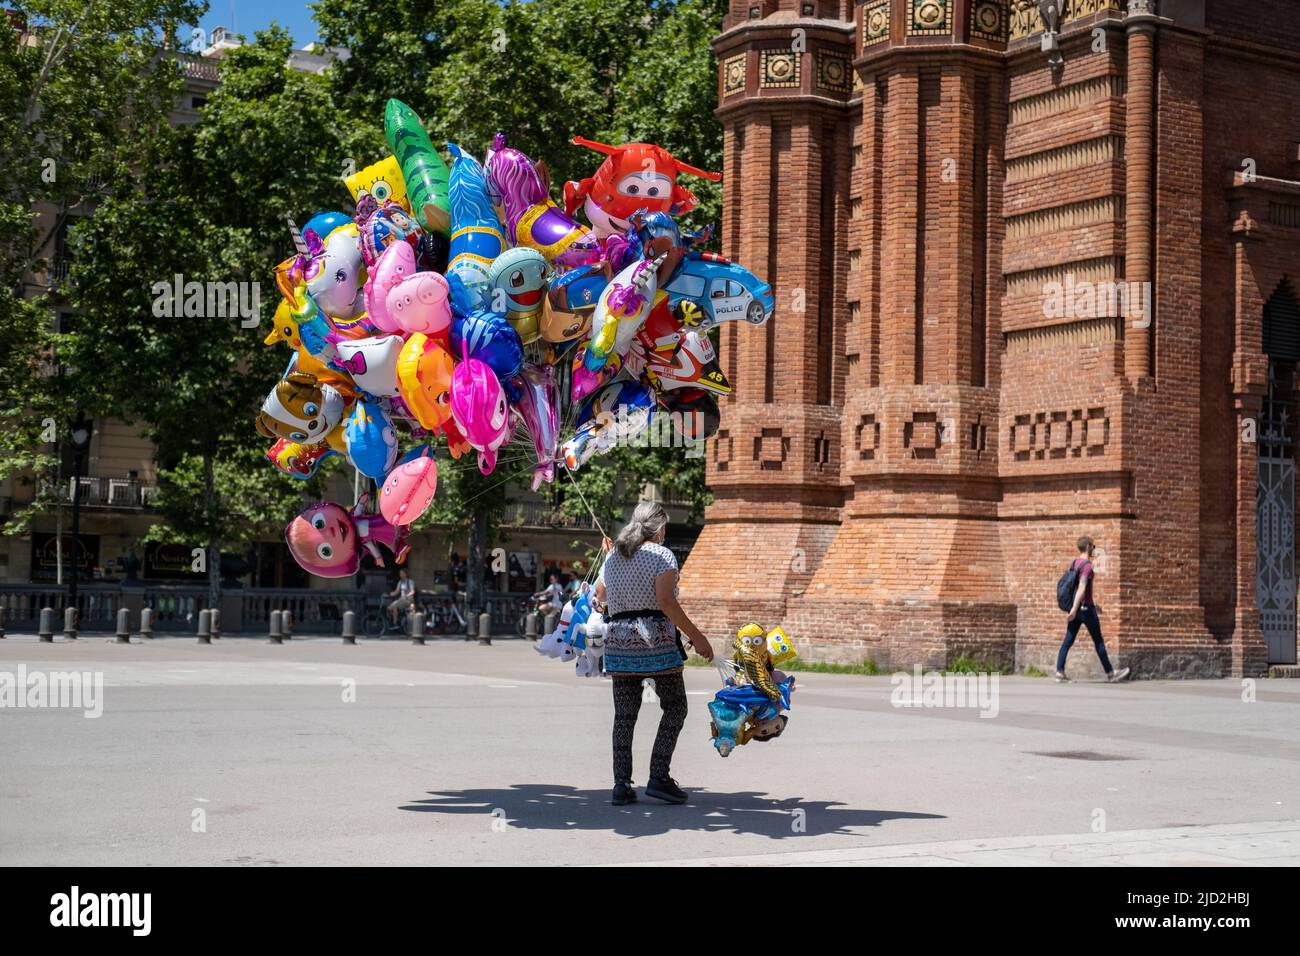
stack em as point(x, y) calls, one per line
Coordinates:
point(539, 514)
point(123, 494)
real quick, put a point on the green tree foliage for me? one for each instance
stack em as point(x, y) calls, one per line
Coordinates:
point(209, 206)
point(83, 87)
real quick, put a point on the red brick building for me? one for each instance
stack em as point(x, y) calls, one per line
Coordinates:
point(952, 199)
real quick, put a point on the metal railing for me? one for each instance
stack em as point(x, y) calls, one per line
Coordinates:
point(539, 514)
point(101, 492)
point(314, 611)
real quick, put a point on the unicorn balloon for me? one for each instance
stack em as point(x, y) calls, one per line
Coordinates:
point(532, 218)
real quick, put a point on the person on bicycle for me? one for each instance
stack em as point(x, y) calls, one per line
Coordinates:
point(551, 596)
point(404, 594)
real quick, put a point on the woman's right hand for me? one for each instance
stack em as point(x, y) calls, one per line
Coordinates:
point(703, 647)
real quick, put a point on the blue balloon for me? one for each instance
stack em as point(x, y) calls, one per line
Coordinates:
point(371, 440)
point(492, 340)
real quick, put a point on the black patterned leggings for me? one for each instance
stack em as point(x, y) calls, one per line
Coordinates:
point(671, 690)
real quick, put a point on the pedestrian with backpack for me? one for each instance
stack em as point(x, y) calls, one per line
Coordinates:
point(1074, 595)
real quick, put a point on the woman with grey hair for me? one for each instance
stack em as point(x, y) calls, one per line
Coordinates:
point(638, 588)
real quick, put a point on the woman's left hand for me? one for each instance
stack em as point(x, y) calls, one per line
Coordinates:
point(703, 647)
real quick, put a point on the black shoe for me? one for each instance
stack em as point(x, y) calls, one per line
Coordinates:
point(666, 789)
point(623, 793)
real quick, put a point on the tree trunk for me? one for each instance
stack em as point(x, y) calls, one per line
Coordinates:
point(214, 542)
point(474, 563)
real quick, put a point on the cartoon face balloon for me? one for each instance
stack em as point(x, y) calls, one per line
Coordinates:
point(301, 409)
point(371, 440)
point(296, 459)
point(489, 338)
point(383, 180)
point(410, 488)
point(518, 286)
point(334, 271)
point(424, 371)
point(419, 303)
point(478, 404)
point(395, 264)
point(372, 363)
point(323, 540)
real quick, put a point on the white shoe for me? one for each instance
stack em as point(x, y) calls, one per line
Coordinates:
point(1117, 676)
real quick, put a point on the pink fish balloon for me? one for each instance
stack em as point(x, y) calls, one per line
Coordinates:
point(396, 263)
point(478, 404)
point(408, 490)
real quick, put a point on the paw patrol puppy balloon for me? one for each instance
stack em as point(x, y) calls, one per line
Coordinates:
point(301, 409)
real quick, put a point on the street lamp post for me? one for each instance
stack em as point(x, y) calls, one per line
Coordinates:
point(81, 430)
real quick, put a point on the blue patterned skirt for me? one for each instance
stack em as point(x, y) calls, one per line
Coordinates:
point(642, 646)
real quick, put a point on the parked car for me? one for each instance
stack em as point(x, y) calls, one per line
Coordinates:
point(722, 289)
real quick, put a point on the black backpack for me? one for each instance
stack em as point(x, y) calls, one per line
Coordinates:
point(1067, 586)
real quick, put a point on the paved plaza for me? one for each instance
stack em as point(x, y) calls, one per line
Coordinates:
point(315, 753)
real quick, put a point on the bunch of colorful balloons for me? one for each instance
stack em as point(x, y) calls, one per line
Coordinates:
point(462, 303)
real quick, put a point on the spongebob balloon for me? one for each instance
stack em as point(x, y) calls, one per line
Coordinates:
point(383, 180)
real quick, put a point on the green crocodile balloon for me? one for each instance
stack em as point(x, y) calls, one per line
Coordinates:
point(426, 175)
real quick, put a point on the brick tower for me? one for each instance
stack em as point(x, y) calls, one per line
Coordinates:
point(1036, 270)
point(786, 93)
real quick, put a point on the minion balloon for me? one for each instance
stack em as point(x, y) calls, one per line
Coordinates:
point(749, 706)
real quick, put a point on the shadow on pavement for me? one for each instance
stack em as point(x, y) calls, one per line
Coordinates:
point(562, 807)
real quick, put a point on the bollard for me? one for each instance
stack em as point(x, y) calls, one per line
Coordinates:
point(471, 625)
point(530, 626)
point(417, 628)
point(485, 628)
point(286, 624)
point(205, 627)
point(276, 633)
point(70, 623)
point(123, 626)
point(216, 622)
point(552, 622)
point(146, 623)
point(47, 625)
point(349, 627)
point(2, 623)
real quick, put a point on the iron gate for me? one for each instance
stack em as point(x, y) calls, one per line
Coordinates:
point(1275, 581)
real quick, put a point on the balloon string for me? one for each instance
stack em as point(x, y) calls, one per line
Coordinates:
point(591, 511)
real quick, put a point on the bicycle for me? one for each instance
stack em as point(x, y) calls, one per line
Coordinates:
point(532, 607)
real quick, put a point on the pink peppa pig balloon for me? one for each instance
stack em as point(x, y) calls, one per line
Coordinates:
point(478, 404)
point(409, 488)
point(419, 303)
point(396, 263)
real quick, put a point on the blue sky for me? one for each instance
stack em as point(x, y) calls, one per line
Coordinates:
point(249, 16)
